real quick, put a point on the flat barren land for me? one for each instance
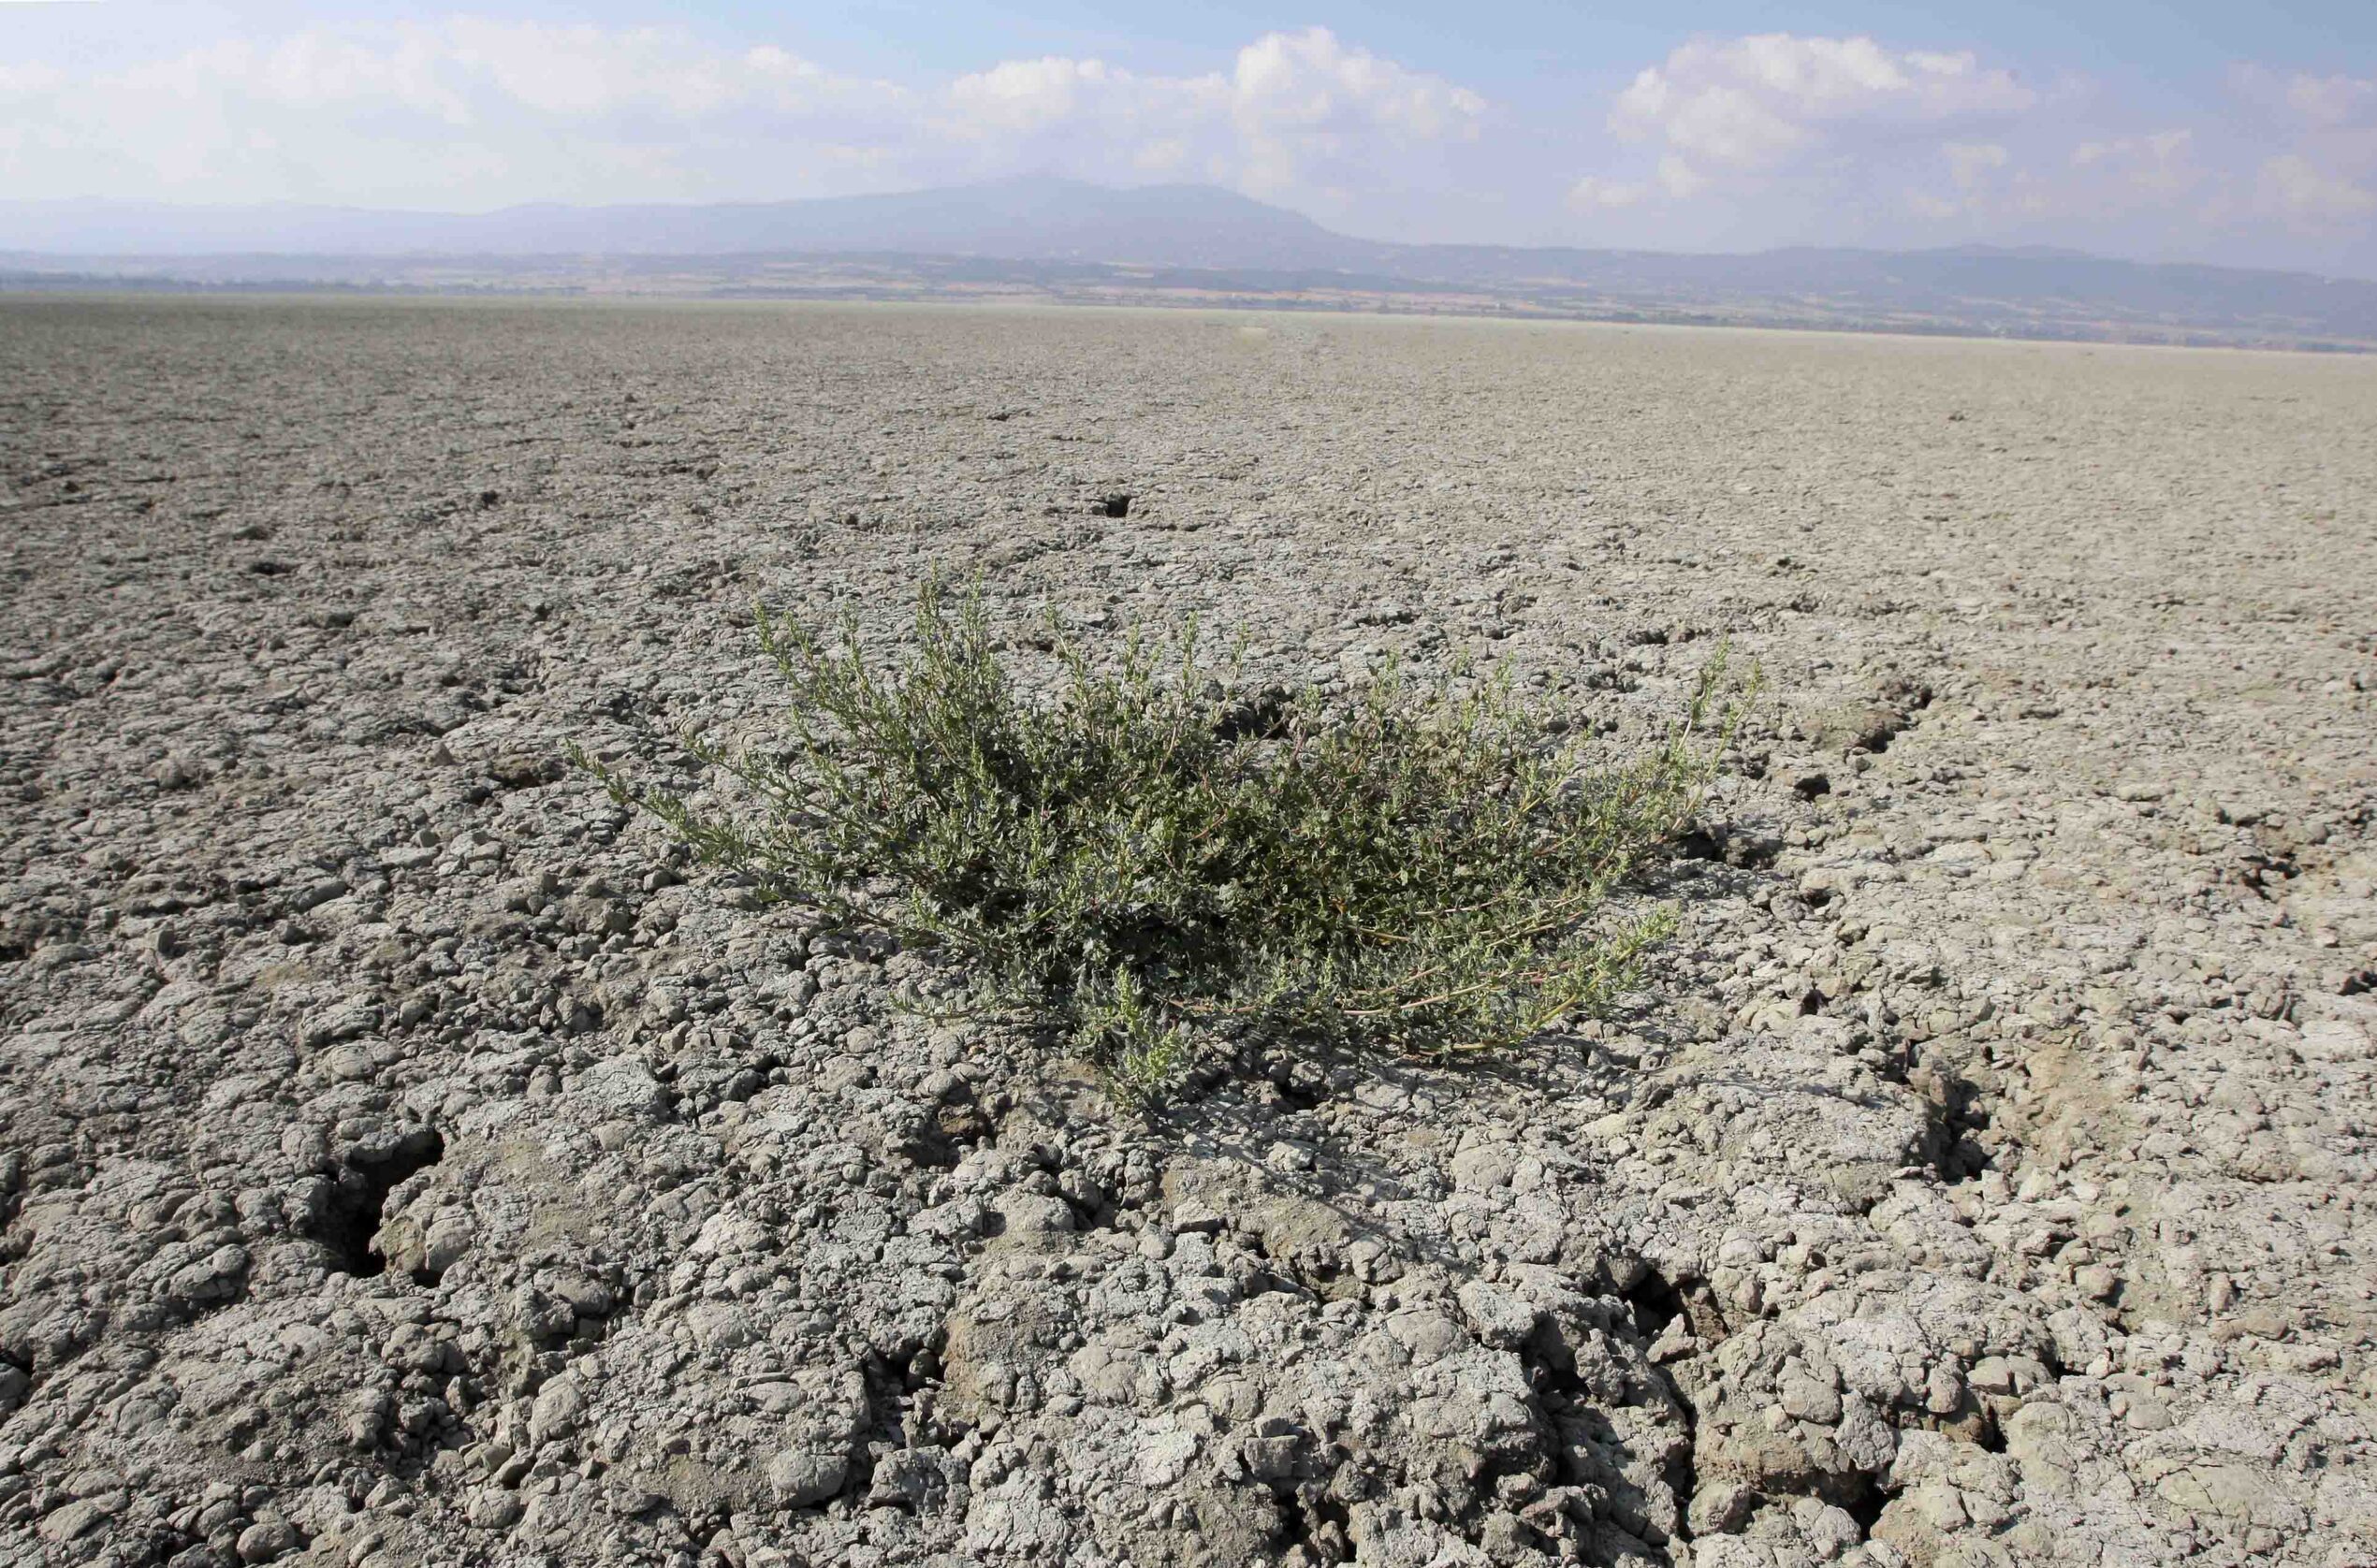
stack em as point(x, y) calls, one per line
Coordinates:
point(405, 1158)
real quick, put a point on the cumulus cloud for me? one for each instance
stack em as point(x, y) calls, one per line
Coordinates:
point(1593, 191)
point(1297, 99)
point(2158, 148)
point(1805, 124)
point(2303, 190)
point(468, 70)
point(1780, 137)
point(1296, 113)
point(1309, 81)
point(1753, 102)
point(2156, 166)
point(1674, 178)
point(1034, 95)
point(2309, 100)
point(2323, 180)
point(469, 111)
point(1679, 178)
point(1974, 171)
point(2093, 182)
point(2332, 100)
point(1970, 163)
point(460, 112)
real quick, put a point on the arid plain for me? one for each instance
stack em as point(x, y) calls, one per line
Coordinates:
point(406, 1158)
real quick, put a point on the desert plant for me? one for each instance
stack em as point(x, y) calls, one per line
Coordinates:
point(1146, 859)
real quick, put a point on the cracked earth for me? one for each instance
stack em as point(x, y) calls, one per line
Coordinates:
point(406, 1157)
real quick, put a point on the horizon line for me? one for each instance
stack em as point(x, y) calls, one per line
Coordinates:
point(2032, 251)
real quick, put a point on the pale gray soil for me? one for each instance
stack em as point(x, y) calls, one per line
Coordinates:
point(402, 1162)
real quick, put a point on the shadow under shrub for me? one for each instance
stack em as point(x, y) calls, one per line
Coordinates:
point(1417, 868)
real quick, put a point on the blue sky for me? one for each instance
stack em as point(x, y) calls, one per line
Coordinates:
point(2224, 133)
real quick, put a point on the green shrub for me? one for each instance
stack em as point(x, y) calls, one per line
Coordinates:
point(1149, 858)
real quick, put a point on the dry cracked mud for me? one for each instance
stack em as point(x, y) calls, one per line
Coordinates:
point(403, 1159)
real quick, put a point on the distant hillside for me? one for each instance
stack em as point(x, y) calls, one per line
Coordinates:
point(1033, 219)
point(1158, 244)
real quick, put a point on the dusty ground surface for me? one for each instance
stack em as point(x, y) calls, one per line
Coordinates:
point(402, 1162)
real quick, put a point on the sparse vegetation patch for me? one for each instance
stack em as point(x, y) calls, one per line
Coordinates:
point(1145, 856)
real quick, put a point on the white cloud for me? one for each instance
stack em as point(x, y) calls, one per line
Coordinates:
point(1674, 178)
point(2332, 100)
point(1593, 191)
point(1723, 123)
point(1742, 118)
point(1679, 178)
point(2303, 190)
point(470, 111)
point(29, 78)
point(1294, 111)
point(2320, 180)
point(2311, 102)
point(1780, 137)
point(2091, 183)
point(1298, 115)
point(1750, 103)
point(1309, 82)
point(1031, 95)
point(2159, 148)
point(1306, 108)
point(1970, 163)
point(2158, 165)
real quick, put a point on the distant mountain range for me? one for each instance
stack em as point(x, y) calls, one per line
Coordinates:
point(1156, 244)
point(1016, 220)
